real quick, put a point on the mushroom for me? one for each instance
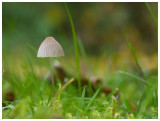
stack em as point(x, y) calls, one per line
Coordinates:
point(50, 48)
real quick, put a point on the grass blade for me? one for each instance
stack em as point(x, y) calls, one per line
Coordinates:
point(151, 12)
point(64, 86)
point(133, 54)
point(75, 47)
point(93, 98)
point(91, 92)
point(77, 108)
point(81, 103)
point(76, 98)
point(135, 57)
point(127, 105)
point(148, 98)
point(84, 55)
point(154, 18)
point(134, 76)
point(82, 50)
point(111, 94)
point(60, 91)
point(156, 95)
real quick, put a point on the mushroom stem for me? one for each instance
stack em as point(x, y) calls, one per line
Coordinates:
point(51, 74)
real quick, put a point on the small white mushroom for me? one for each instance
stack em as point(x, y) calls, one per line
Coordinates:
point(50, 48)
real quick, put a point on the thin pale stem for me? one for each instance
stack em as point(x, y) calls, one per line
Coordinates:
point(51, 74)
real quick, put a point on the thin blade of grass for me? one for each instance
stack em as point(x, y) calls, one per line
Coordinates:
point(50, 97)
point(148, 98)
point(135, 57)
point(72, 97)
point(77, 107)
point(136, 107)
point(111, 94)
point(84, 55)
point(134, 76)
point(156, 94)
point(40, 90)
point(93, 98)
point(133, 53)
point(59, 92)
point(82, 50)
point(127, 105)
point(141, 99)
point(90, 87)
point(81, 103)
point(75, 47)
point(31, 47)
point(31, 66)
point(76, 98)
point(151, 12)
point(155, 20)
point(24, 90)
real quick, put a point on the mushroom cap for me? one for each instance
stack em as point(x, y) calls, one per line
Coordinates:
point(50, 48)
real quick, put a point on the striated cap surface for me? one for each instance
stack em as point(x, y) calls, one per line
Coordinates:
point(50, 48)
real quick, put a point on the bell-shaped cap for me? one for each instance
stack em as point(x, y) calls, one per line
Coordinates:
point(50, 48)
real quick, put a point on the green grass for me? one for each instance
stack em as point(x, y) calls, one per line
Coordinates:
point(134, 76)
point(92, 99)
point(126, 104)
point(133, 54)
point(154, 18)
point(152, 13)
point(34, 99)
point(75, 47)
point(81, 103)
point(137, 97)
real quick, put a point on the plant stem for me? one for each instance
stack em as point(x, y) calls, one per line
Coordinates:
point(154, 18)
point(75, 47)
point(51, 74)
point(152, 13)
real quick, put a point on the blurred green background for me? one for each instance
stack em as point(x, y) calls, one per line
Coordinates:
point(102, 28)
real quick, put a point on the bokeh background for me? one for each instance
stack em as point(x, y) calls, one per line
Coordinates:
point(98, 25)
point(102, 28)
